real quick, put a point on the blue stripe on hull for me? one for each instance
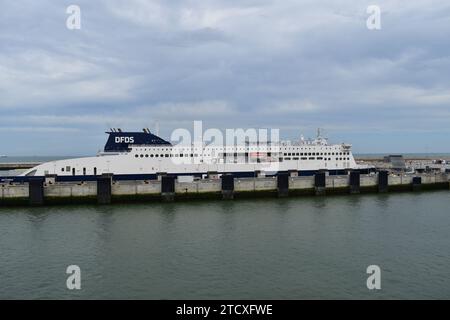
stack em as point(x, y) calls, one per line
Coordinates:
point(122, 177)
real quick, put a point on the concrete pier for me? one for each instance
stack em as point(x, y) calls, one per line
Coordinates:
point(283, 184)
point(383, 181)
point(320, 183)
point(168, 188)
point(355, 182)
point(227, 186)
point(36, 191)
point(40, 191)
point(104, 193)
point(417, 184)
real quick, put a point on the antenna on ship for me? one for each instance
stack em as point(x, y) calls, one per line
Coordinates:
point(157, 127)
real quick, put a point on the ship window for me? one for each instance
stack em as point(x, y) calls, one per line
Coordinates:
point(136, 156)
point(95, 171)
point(146, 155)
point(280, 159)
point(142, 155)
point(304, 158)
point(192, 155)
point(167, 155)
point(151, 156)
point(287, 158)
point(162, 156)
point(319, 158)
point(84, 171)
point(296, 158)
point(68, 168)
point(156, 155)
point(73, 171)
point(181, 155)
point(62, 169)
point(312, 158)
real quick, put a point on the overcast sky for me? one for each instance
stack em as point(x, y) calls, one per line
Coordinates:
point(288, 64)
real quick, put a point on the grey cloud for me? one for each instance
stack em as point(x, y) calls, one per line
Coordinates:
point(286, 64)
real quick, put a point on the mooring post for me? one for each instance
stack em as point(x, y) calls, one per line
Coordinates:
point(416, 183)
point(320, 183)
point(283, 184)
point(168, 188)
point(355, 182)
point(227, 186)
point(383, 181)
point(104, 188)
point(36, 191)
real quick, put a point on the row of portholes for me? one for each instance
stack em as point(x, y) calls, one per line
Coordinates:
point(152, 155)
point(317, 153)
point(165, 155)
point(313, 158)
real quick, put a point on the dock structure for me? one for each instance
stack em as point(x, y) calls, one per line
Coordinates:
point(105, 190)
point(18, 166)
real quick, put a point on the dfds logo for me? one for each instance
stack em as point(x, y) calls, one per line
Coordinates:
point(124, 139)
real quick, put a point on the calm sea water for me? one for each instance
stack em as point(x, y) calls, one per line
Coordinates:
point(296, 248)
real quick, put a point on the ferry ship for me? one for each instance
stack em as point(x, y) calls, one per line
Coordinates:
point(144, 155)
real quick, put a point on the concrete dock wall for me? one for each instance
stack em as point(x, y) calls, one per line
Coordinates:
point(70, 192)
